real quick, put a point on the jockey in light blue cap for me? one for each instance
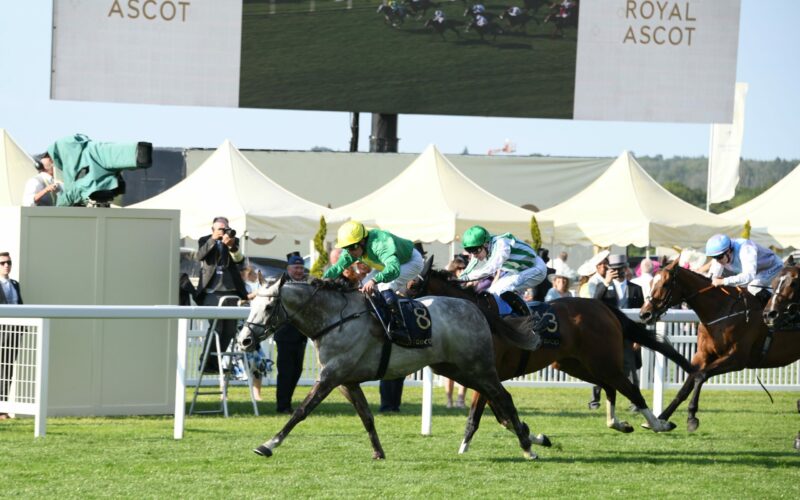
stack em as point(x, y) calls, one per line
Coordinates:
point(750, 263)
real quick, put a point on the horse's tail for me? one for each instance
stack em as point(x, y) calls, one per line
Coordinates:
point(637, 332)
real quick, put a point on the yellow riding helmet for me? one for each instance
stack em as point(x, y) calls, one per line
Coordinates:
point(349, 233)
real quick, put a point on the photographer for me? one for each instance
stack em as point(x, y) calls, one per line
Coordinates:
point(42, 189)
point(219, 257)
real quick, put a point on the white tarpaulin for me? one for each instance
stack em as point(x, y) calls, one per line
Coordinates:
point(724, 152)
point(625, 206)
point(773, 215)
point(228, 185)
point(432, 200)
point(16, 167)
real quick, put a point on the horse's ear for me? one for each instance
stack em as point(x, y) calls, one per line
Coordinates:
point(426, 268)
point(261, 279)
point(281, 282)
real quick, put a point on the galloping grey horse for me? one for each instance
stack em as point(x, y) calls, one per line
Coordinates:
point(349, 342)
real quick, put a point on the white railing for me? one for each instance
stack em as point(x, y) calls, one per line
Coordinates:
point(30, 367)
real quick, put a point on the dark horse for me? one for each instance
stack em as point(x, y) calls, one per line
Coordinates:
point(392, 17)
point(444, 25)
point(419, 7)
point(488, 28)
point(351, 345)
point(563, 18)
point(731, 336)
point(590, 349)
point(784, 305)
point(519, 21)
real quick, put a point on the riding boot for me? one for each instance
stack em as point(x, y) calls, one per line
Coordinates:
point(397, 328)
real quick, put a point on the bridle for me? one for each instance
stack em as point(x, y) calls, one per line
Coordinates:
point(282, 317)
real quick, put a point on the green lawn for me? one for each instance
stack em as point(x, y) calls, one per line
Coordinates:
point(743, 449)
point(350, 60)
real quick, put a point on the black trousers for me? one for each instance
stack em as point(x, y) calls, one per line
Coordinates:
point(9, 343)
point(226, 328)
point(290, 367)
point(391, 394)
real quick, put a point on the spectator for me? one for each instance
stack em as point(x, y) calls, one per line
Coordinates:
point(9, 294)
point(258, 362)
point(219, 256)
point(644, 275)
point(615, 290)
point(291, 344)
point(588, 274)
point(560, 281)
point(42, 189)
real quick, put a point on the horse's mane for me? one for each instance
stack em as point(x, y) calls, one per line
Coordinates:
point(333, 285)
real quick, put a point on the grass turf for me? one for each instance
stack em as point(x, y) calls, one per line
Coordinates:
point(349, 60)
point(743, 449)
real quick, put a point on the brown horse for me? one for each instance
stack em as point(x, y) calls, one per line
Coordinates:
point(784, 305)
point(590, 349)
point(731, 336)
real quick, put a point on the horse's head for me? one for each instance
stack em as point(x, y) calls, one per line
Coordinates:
point(266, 314)
point(664, 293)
point(785, 301)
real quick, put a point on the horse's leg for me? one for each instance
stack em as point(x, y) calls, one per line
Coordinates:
point(315, 396)
point(612, 422)
point(683, 393)
point(355, 395)
point(473, 420)
point(503, 406)
point(692, 422)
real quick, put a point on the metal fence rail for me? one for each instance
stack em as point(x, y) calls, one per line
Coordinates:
point(30, 325)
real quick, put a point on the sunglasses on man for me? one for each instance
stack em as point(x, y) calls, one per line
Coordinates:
point(5, 262)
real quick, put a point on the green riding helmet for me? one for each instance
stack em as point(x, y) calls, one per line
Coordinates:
point(475, 236)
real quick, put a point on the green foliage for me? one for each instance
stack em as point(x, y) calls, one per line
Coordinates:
point(536, 234)
point(318, 268)
point(743, 449)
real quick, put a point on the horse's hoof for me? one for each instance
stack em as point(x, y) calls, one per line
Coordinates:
point(263, 451)
point(543, 440)
point(378, 456)
point(670, 426)
point(645, 425)
point(692, 424)
point(530, 455)
point(623, 427)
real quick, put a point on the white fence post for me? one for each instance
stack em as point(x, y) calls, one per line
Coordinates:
point(659, 373)
point(42, 362)
point(180, 379)
point(427, 400)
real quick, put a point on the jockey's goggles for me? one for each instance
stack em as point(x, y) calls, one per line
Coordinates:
point(473, 250)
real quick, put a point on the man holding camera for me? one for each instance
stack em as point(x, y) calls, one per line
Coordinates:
point(219, 257)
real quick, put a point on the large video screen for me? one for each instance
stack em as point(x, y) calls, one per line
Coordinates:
point(589, 59)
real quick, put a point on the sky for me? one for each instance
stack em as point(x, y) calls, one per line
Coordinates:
point(768, 60)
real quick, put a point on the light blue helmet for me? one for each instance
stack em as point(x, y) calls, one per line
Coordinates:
point(717, 245)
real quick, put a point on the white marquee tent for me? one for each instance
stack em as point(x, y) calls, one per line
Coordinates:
point(227, 184)
point(431, 200)
point(16, 167)
point(626, 206)
point(773, 214)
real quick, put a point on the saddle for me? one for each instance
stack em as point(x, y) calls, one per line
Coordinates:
point(406, 322)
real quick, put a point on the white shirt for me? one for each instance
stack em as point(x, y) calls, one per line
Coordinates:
point(36, 184)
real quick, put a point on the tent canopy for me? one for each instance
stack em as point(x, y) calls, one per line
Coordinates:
point(773, 214)
point(625, 206)
point(16, 167)
point(431, 200)
point(228, 185)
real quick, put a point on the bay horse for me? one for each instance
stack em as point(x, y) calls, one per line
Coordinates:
point(784, 305)
point(590, 349)
point(350, 341)
point(731, 336)
point(445, 25)
point(519, 21)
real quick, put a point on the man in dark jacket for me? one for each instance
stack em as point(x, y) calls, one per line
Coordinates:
point(291, 345)
point(9, 294)
point(219, 257)
point(617, 291)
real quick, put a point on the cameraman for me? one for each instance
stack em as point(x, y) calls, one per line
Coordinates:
point(219, 257)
